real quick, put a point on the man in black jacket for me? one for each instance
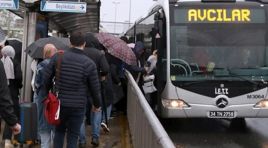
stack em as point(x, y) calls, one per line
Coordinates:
point(77, 75)
point(6, 104)
point(92, 51)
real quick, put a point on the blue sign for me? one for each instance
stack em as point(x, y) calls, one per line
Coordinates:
point(63, 6)
point(9, 4)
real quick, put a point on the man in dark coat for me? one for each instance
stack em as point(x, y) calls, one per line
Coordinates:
point(78, 75)
point(6, 104)
point(92, 51)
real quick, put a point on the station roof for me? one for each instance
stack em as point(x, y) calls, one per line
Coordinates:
point(67, 22)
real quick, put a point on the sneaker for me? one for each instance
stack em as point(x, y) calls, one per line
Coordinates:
point(8, 144)
point(95, 142)
point(105, 127)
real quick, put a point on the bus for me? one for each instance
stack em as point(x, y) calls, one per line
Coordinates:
point(212, 57)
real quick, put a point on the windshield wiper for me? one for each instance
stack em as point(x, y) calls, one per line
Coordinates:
point(245, 79)
point(193, 82)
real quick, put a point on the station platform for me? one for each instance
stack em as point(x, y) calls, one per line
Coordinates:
point(118, 137)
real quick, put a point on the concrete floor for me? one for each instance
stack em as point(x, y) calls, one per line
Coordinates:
point(118, 137)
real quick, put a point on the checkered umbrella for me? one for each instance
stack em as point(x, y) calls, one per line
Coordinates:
point(117, 48)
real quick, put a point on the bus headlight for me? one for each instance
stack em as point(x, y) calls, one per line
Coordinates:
point(262, 104)
point(174, 103)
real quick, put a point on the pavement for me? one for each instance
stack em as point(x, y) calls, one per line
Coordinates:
point(118, 137)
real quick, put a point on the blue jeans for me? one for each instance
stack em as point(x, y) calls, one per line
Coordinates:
point(71, 120)
point(109, 110)
point(95, 120)
point(46, 138)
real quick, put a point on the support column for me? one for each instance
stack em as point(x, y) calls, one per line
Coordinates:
point(26, 60)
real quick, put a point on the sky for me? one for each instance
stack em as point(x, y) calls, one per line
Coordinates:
point(121, 7)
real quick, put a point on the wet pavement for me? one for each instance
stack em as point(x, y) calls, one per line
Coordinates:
point(218, 133)
point(118, 137)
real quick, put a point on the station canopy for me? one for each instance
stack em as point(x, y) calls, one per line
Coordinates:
point(67, 22)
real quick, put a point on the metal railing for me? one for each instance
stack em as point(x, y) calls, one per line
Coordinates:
point(146, 130)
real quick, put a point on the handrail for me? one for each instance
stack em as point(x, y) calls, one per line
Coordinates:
point(145, 128)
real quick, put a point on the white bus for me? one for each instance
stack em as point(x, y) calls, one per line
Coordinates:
point(212, 57)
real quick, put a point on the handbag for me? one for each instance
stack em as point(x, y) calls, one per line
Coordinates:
point(148, 85)
point(51, 102)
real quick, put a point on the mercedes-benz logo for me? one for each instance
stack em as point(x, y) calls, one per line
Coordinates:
point(222, 102)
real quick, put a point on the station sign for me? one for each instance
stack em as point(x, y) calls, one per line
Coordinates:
point(63, 6)
point(9, 4)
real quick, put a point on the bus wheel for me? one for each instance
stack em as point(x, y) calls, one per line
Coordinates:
point(238, 123)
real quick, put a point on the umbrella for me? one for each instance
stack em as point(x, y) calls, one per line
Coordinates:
point(17, 45)
point(117, 48)
point(35, 50)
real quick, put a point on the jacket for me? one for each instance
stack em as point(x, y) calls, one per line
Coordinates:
point(92, 50)
point(6, 104)
point(40, 94)
point(15, 84)
point(99, 59)
point(78, 75)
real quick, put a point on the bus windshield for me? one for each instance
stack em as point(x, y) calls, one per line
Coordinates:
point(207, 41)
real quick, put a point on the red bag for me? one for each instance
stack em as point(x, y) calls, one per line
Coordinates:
point(52, 103)
point(52, 109)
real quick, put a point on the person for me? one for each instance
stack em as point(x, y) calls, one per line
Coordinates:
point(78, 75)
point(14, 80)
point(92, 51)
point(152, 95)
point(139, 70)
point(201, 58)
point(6, 105)
point(2, 44)
point(45, 130)
point(151, 62)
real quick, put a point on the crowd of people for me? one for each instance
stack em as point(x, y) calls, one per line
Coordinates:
point(88, 82)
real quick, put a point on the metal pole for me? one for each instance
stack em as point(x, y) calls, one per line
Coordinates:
point(115, 3)
point(129, 19)
point(28, 38)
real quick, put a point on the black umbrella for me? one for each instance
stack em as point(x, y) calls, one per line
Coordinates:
point(35, 50)
point(17, 45)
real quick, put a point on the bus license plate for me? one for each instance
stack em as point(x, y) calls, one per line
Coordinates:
point(221, 114)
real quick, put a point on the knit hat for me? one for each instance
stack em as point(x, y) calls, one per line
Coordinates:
point(8, 51)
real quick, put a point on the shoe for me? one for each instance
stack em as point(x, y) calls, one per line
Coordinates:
point(105, 127)
point(8, 144)
point(82, 145)
point(95, 142)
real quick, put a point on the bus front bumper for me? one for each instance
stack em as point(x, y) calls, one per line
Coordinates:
point(203, 111)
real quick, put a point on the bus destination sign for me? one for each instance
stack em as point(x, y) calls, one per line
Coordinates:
point(219, 15)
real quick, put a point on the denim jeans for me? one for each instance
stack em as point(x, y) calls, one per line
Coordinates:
point(46, 138)
point(71, 120)
point(95, 120)
point(109, 110)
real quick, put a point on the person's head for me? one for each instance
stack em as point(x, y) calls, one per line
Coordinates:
point(139, 49)
point(49, 51)
point(124, 38)
point(8, 51)
point(77, 39)
point(92, 41)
